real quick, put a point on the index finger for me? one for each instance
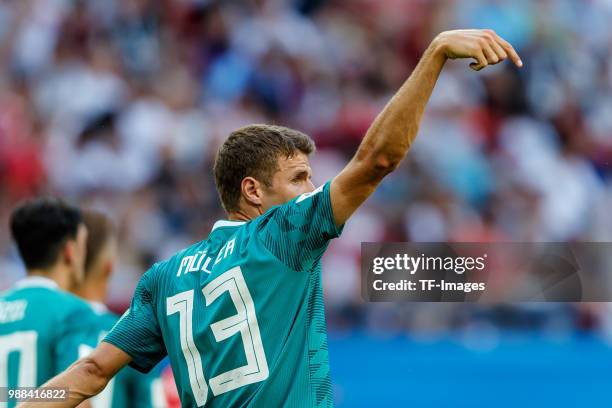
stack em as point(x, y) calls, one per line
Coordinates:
point(510, 50)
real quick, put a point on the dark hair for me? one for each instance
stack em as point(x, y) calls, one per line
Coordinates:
point(254, 151)
point(41, 227)
point(99, 230)
point(100, 127)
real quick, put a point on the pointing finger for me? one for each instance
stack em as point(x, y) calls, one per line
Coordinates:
point(511, 51)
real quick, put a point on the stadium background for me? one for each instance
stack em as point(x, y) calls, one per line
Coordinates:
point(121, 104)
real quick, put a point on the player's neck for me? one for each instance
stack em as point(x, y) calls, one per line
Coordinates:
point(245, 214)
point(58, 274)
point(237, 217)
point(92, 291)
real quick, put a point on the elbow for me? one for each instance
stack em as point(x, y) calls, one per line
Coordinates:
point(380, 162)
point(372, 168)
point(97, 378)
point(385, 163)
point(377, 166)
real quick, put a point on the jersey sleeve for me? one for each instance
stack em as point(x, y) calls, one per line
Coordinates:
point(138, 332)
point(299, 231)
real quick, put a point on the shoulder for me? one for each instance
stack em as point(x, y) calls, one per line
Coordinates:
point(74, 307)
point(321, 190)
point(56, 301)
point(71, 301)
point(171, 265)
point(73, 315)
point(297, 212)
point(108, 320)
point(303, 201)
point(7, 295)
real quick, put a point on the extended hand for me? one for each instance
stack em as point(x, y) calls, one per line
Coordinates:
point(485, 46)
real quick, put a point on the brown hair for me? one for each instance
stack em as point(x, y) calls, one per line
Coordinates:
point(100, 230)
point(254, 151)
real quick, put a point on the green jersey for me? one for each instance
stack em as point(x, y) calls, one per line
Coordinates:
point(128, 388)
point(41, 330)
point(240, 314)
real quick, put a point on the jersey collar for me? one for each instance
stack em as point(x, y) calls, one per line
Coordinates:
point(226, 223)
point(98, 307)
point(36, 282)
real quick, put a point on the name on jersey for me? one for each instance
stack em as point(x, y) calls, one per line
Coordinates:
point(12, 311)
point(200, 261)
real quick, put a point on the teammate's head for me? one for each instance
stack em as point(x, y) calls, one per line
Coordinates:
point(49, 235)
point(101, 246)
point(260, 166)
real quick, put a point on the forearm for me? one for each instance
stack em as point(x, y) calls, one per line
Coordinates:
point(389, 138)
point(83, 379)
point(391, 134)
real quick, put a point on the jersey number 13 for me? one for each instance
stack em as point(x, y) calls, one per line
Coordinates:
point(243, 322)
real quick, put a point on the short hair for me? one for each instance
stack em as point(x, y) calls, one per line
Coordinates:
point(41, 227)
point(254, 151)
point(100, 230)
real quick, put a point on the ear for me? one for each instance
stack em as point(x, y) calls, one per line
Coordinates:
point(107, 268)
point(251, 191)
point(68, 252)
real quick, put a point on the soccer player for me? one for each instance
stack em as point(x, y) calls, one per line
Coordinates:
point(129, 388)
point(41, 324)
point(240, 314)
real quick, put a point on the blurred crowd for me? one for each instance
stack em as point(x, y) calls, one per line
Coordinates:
point(121, 104)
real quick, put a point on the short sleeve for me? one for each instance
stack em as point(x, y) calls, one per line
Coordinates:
point(137, 332)
point(299, 231)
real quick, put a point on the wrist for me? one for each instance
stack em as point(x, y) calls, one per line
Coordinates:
point(439, 46)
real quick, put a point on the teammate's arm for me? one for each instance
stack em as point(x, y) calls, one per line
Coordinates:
point(389, 138)
point(135, 339)
point(87, 376)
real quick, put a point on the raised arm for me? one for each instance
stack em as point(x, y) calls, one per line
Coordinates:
point(390, 136)
point(86, 377)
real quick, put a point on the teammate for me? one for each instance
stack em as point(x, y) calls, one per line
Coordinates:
point(129, 388)
point(41, 324)
point(240, 314)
